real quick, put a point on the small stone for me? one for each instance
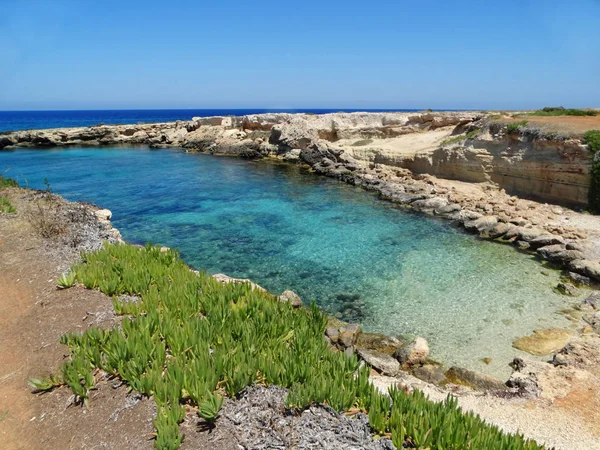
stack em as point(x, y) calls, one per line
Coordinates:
point(292, 298)
point(579, 279)
point(349, 352)
point(348, 334)
point(586, 268)
point(560, 359)
point(380, 342)
point(593, 320)
point(333, 334)
point(529, 234)
point(383, 363)
point(545, 240)
point(486, 360)
point(593, 300)
point(522, 245)
point(431, 373)
point(413, 354)
point(164, 249)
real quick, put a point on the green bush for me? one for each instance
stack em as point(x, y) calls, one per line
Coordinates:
point(191, 339)
point(592, 140)
point(6, 206)
point(561, 111)
point(514, 126)
point(7, 182)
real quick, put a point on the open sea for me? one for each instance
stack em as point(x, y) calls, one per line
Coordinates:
point(33, 120)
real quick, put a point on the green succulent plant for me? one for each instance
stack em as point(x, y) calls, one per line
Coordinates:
point(189, 338)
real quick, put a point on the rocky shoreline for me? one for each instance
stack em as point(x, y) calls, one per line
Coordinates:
point(392, 361)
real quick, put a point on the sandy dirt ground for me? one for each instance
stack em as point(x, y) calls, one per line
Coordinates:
point(562, 124)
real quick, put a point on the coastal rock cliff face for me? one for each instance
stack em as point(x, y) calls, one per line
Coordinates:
point(555, 170)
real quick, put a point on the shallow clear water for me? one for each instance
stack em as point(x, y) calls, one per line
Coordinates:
point(359, 258)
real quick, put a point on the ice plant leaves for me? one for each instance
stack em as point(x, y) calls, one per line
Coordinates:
point(189, 340)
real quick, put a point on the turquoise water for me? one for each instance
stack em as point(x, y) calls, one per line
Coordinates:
point(359, 258)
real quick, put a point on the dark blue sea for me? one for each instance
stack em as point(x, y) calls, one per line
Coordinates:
point(35, 120)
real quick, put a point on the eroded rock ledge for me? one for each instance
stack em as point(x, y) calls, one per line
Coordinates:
point(398, 155)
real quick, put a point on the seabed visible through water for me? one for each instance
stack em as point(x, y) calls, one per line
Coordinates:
point(361, 259)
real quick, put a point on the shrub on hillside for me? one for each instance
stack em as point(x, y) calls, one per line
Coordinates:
point(7, 182)
point(561, 111)
point(592, 140)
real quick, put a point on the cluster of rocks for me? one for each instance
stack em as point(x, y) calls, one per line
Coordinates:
point(391, 357)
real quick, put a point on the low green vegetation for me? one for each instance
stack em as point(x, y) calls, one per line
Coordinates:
point(45, 384)
point(66, 280)
point(592, 140)
point(513, 127)
point(459, 138)
point(187, 339)
point(561, 111)
point(6, 206)
point(7, 182)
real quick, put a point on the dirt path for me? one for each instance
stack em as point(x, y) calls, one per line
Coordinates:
point(34, 316)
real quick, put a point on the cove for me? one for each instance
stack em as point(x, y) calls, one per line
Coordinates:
point(361, 259)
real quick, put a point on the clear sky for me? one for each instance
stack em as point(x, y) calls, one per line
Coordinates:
point(83, 54)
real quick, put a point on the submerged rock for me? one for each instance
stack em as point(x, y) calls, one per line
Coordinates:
point(413, 354)
point(475, 380)
point(380, 342)
point(544, 342)
point(568, 289)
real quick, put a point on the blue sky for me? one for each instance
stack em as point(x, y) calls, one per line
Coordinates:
point(312, 54)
